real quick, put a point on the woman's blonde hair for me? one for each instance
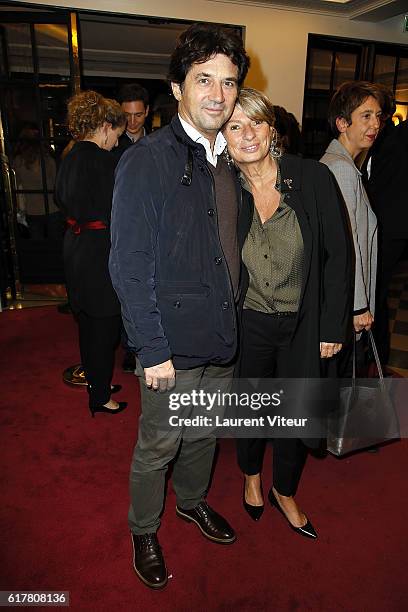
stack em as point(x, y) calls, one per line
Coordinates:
point(89, 110)
point(257, 106)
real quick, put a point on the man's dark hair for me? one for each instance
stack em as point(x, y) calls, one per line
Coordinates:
point(288, 129)
point(200, 43)
point(133, 92)
point(348, 97)
point(389, 106)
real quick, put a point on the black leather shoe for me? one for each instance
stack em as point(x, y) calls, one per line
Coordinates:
point(129, 362)
point(93, 409)
point(307, 530)
point(211, 524)
point(148, 560)
point(255, 512)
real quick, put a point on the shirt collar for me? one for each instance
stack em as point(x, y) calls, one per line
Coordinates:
point(132, 138)
point(219, 146)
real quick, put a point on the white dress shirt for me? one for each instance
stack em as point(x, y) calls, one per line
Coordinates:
point(219, 145)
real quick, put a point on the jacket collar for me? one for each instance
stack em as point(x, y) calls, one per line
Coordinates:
point(181, 135)
point(199, 150)
point(336, 148)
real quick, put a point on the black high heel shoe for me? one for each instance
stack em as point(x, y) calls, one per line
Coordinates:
point(113, 389)
point(307, 530)
point(255, 512)
point(93, 409)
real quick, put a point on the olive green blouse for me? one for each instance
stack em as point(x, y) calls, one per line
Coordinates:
point(273, 254)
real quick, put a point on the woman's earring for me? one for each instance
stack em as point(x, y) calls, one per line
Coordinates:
point(228, 157)
point(106, 140)
point(274, 149)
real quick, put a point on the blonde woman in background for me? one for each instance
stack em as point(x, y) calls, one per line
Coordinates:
point(84, 189)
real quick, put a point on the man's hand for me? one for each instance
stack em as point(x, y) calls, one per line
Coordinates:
point(363, 321)
point(329, 349)
point(161, 377)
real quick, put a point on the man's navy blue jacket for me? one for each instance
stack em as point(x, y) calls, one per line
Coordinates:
point(166, 263)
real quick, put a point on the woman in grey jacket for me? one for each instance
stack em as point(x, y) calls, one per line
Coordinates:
point(354, 116)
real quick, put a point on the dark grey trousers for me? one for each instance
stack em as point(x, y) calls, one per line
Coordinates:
point(157, 446)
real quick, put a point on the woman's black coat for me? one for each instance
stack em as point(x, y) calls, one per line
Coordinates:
point(324, 313)
point(325, 302)
point(84, 188)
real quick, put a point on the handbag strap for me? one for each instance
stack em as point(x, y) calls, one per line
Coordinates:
point(353, 380)
point(376, 358)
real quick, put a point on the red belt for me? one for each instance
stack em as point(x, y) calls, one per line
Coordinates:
point(77, 228)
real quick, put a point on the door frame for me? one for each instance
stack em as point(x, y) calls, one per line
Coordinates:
point(10, 258)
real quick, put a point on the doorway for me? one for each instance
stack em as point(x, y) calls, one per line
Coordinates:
point(46, 55)
point(37, 77)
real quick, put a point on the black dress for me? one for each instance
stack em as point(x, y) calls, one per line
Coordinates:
point(84, 188)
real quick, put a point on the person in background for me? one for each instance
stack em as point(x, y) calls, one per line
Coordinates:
point(355, 117)
point(134, 100)
point(29, 171)
point(83, 190)
point(387, 172)
point(296, 286)
point(288, 129)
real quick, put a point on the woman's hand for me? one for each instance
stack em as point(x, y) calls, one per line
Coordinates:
point(329, 349)
point(363, 321)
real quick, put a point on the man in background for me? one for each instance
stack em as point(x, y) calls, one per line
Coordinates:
point(134, 100)
point(388, 195)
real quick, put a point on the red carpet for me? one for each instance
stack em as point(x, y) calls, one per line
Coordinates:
point(65, 496)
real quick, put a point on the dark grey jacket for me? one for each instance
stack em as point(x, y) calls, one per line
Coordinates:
point(166, 261)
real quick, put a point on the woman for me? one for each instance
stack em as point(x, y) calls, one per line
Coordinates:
point(355, 118)
point(34, 174)
point(296, 303)
point(84, 190)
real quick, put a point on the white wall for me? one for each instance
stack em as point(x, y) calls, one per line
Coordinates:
point(275, 39)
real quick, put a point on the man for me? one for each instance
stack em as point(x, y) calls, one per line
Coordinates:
point(134, 100)
point(388, 196)
point(176, 268)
